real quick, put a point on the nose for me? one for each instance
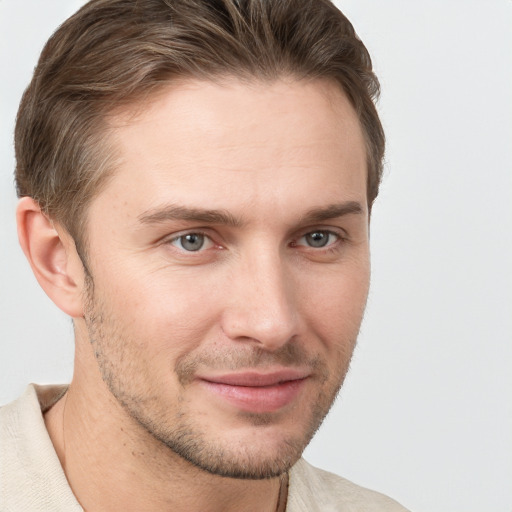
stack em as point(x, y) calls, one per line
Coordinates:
point(262, 306)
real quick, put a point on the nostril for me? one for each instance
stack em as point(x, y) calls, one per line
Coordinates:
point(271, 330)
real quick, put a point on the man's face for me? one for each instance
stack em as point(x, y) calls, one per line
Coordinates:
point(230, 268)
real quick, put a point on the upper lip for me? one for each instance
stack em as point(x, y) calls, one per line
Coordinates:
point(257, 379)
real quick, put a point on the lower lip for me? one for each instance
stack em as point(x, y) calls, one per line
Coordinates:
point(257, 399)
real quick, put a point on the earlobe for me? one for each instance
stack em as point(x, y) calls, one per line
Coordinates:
point(52, 255)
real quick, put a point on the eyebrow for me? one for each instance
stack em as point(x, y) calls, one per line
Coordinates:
point(173, 212)
point(332, 211)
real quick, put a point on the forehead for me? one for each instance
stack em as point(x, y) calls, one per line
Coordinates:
point(235, 144)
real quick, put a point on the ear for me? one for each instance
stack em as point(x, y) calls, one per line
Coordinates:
point(51, 252)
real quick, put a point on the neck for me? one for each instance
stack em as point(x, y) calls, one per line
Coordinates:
point(111, 463)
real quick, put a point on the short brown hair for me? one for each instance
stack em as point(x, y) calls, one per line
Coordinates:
point(114, 52)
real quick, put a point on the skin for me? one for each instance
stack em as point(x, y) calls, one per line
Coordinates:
point(145, 424)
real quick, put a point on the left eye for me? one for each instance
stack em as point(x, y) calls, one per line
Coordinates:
point(191, 242)
point(318, 239)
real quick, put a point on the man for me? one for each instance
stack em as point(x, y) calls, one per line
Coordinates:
point(196, 182)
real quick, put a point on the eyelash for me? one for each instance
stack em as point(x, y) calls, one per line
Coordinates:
point(188, 233)
point(328, 248)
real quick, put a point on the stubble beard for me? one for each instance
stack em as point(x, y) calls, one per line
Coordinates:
point(126, 380)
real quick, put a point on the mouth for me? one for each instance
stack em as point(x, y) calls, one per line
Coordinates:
point(257, 392)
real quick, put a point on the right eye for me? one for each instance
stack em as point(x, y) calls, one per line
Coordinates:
point(192, 242)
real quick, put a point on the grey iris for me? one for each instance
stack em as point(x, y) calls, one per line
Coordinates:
point(192, 241)
point(317, 238)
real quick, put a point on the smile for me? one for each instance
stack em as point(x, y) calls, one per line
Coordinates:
point(255, 392)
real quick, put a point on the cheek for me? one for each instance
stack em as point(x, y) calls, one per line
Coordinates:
point(336, 301)
point(162, 313)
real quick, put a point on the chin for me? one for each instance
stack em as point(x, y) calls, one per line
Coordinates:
point(244, 462)
point(259, 450)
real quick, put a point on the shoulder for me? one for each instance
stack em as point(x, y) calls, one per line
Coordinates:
point(27, 458)
point(312, 489)
point(26, 411)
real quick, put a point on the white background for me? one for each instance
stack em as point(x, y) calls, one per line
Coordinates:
point(426, 413)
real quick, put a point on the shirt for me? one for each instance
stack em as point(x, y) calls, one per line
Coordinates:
point(32, 479)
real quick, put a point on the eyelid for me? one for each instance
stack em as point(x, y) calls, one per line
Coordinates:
point(328, 245)
point(341, 233)
point(338, 232)
point(170, 239)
